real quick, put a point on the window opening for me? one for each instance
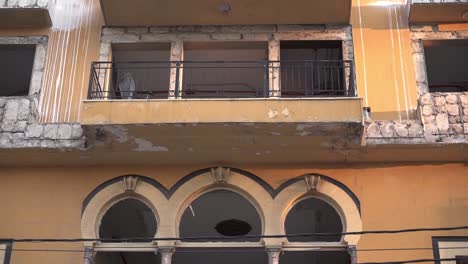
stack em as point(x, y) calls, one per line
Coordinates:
point(140, 71)
point(220, 213)
point(447, 65)
point(462, 259)
point(225, 69)
point(312, 68)
point(313, 215)
point(129, 218)
point(16, 66)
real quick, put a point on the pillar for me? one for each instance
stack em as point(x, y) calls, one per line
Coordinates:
point(273, 255)
point(274, 68)
point(176, 73)
point(88, 257)
point(166, 255)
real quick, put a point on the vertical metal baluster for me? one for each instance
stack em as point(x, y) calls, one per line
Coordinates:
point(265, 79)
point(176, 90)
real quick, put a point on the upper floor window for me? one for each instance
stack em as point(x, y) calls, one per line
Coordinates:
point(16, 67)
point(447, 65)
point(5, 251)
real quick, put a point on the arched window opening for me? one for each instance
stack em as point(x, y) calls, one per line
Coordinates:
point(221, 213)
point(129, 218)
point(127, 258)
point(313, 215)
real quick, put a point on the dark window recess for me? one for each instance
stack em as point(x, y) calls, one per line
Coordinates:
point(129, 218)
point(312, 68)
point(462, 259)
point(218, 214)
point(220, 256)
point(314, 257)
point(233, 227)
point(447, 65)
point(127, 258)
point(16, 65)
point(313, 215)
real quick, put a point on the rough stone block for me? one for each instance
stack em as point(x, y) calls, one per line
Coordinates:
point(34, 131)
point(138, 30)
point(464, 100)
point(50, 131)
point(159, 30)
point(2, 102)
point(431, 130)
point(47, 144)
point(415, 130)
point(64, 131)
point(465, 119)
point(429, 119)
point(11, 111)
point(373, 130)
point(20, 126)
point(77, 131)
point(451, 99)
point(5, 139)
point(465, 110)
point(226, 36)
point(43, 3)
point(388, 129)
point(453, 109)
point(439, 100)
point(442, 123)
point(23, 109)
point(465, 128)
point(427, 110)
point(455, 119)
point(441, 109)
point(113, 31)
point(401, 130)
point(456, 128)
point(33, 143)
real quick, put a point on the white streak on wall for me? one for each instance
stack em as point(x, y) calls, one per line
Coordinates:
point(363, 50)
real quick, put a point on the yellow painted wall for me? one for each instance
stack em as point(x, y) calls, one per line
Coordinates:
point(46, 202)
point(385, 70)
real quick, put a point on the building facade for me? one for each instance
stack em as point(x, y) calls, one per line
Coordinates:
point(233, 131)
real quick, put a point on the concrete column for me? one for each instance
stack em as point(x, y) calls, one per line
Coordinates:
point(352, 254)
point(177, 55)
point(88, 257)
point(273, 255)
point(166, 255)
point(274, 70)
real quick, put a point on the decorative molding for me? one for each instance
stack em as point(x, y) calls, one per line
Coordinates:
point(312, 182)
point(220, 174)
point(130, 183)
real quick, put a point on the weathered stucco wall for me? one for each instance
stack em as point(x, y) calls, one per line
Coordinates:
point(46, 202)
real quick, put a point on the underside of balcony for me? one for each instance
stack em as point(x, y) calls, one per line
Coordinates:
point(25, 14)
point(213, 12)
point(431, 12)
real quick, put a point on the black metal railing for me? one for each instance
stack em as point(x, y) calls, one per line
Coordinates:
point(221, 79)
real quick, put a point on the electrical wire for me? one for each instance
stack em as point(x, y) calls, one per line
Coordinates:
point(217, 238)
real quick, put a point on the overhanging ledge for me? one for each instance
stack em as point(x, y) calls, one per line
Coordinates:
point(221, 111)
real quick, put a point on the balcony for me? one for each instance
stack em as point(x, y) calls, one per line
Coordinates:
point(248, 107)
point(240, 91)
point(438, 11)
point(211, 12)
point(25, 14)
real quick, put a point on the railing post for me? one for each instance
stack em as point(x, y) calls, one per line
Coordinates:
point(91, 79)
point(266, 80)
point(177, 80)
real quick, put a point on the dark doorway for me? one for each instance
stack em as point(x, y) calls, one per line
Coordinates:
point(312, 68)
